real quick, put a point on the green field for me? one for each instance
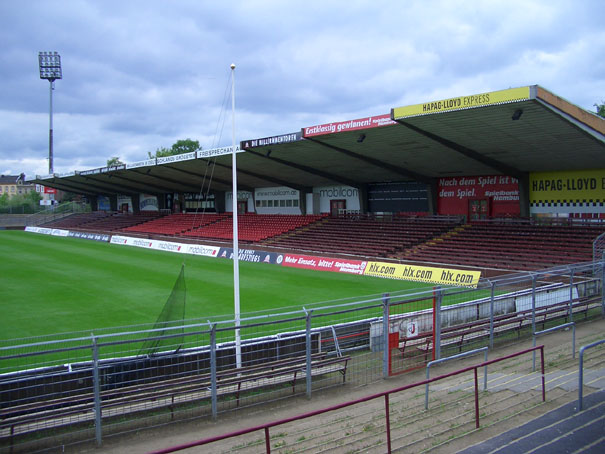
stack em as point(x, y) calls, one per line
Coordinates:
point(53, 285)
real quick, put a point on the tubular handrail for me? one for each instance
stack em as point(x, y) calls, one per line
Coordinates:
point(556, 328)
point(459, 355)
point(581, 371)
point(385, 394)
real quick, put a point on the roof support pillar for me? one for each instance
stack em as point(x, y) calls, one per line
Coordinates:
point(524, 196)
point(219, 201)
point(432, 192)
point(302, 202)
point(363, 198)
point(113, 202)
point(136, 203)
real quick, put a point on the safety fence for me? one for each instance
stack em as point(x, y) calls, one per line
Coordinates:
point(66, 389)
point(387, 412)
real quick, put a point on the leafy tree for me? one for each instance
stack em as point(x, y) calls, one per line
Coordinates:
point(160, 153)
point(4, 200)
point(601, 109)
point(33, 198)
point(179, 147)
point(115, 161)
point(185, 146)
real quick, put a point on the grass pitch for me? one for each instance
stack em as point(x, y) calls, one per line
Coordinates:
point(54, 285)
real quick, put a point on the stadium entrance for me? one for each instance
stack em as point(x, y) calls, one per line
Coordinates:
point(336, 206)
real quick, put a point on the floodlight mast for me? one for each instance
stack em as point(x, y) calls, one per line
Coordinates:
point(50, 69)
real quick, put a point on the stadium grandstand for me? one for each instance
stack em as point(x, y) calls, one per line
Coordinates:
point(507, 185)
point(507, 180)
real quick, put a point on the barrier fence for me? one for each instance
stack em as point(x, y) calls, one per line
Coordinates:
point(81, 387)
point(266, 427)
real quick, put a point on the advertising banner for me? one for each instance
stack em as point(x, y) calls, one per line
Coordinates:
point(48, 190)
point(502, 192)
point(146, 163)
point(176, 158)
point(148, 202)
point(324, 264)
point(90, 236)
point(350, 125)
point(571, 187)
point(443, 276)
point(200, 249)
point(462, 102)
point(47, 231)
point(194, 249)
point(217, 152)
point(275, 140)
point(250, 255)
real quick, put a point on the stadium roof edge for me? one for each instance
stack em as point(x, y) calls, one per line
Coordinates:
point(378, 149)
point(584, 116)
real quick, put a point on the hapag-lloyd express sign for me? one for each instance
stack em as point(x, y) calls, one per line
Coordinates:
point(324, 264)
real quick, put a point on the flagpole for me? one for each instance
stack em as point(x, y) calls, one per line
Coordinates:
point(238, 342)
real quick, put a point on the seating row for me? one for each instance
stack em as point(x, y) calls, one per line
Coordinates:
point(510, 246)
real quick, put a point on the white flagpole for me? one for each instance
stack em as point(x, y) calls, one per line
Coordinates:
point(238, 342)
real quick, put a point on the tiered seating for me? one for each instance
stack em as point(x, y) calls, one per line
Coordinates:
point(118, 221)
point(511, 245)
point(366, 236)
point(253, 227)
point(77, 220)
point(177, 224)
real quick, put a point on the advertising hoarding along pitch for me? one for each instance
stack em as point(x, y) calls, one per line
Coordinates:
point(350, 125)
point(443, 276)
point(462, 102)
point(251, 255)
point(324, 264)
point(168, 246)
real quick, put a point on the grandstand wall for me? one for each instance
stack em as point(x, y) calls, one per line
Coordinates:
point(479, 197)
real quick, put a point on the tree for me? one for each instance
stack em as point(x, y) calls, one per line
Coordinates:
point(186, 146)
point(179, 147)
point(600, 109)
point(115, 161)
point(33, 198)
point(160, 153)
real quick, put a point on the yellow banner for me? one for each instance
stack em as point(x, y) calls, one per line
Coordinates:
point(580, 186)
point(444, 276)
point(462, 102)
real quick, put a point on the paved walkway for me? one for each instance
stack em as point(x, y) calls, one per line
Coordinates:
point(564, 430)
point(566, 380)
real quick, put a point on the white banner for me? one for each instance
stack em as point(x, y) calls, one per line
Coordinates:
point(47, 231)
point(181, 248)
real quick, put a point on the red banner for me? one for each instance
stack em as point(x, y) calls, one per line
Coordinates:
point(324, 264)
point(48, 190)
point(462, 195)
point(351, 125)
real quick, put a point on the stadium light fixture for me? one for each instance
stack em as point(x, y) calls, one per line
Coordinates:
point(50, 69)
point(517, 114)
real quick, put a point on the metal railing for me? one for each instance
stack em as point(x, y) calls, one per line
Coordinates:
point(95, 367)
point(581, 371)
point(458, 356)
point(385, 394)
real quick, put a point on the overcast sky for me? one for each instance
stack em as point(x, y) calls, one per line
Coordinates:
point(140, 75)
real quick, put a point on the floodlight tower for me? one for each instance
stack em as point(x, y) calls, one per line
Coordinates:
point(50, 69)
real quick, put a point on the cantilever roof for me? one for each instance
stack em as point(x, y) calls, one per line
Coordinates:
point(468, 135)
